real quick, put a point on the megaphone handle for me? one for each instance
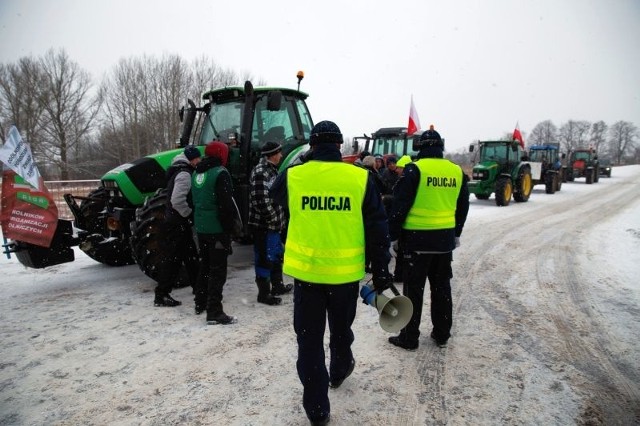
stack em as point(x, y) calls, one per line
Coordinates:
point(394, 290)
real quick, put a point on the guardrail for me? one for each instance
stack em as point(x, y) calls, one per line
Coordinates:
point(57, 189)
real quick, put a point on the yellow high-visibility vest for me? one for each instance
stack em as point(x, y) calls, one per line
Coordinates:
point(325, 239)
point(435, 204)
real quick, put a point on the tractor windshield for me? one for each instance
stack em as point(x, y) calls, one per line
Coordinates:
point(542, 155)
point(496, 153)
point(397, 146)
point(582, 155)
point(281, 125)
point(222, 120)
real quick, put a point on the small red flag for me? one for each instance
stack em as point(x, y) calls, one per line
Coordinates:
point(414, 121)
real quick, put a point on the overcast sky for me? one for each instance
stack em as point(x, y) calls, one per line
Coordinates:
point(474, 68)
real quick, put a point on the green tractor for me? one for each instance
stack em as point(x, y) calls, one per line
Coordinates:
point(500, 170)
point(117, 223)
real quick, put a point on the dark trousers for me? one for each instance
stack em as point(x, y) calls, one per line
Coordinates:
point(437, 268)
point(313, 305)
point(267, 254)
point(179, 248)
point(213, 274)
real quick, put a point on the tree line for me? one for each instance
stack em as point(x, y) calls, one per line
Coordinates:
point(78, 129)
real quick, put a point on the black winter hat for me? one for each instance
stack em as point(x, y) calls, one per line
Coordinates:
point(431, 138)
point(191, 152)
point(270, 148)
point(325, 132)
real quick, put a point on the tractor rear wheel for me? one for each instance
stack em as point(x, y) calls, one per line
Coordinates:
point(524, 185)
point(504, 189)
point(559, 180)
point(550, 183)
point(99, 244)
point(147, 237)
point(589, 176)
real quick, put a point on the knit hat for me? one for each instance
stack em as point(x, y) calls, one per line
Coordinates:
point(191, 152)
point(217, 149)
point(392, 159)
point(325, 132)
point(403, 161)
point(270, 148)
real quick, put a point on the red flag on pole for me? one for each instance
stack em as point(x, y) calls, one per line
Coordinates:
point(414, 121)
point(517, 136)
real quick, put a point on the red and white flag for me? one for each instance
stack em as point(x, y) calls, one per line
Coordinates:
point(414, 121)
point(517, 136)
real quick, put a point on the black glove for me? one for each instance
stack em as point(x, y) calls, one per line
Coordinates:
point(383, 282)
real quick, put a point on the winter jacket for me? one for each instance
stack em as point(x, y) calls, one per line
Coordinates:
point(373, 214)
point(263, 212)
point(179, 205)
point(404, 194)
point(223, 194)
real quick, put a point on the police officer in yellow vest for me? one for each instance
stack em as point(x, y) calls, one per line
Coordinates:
point(330, 203)
point(430, 206)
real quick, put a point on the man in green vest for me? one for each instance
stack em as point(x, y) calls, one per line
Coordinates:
point(430, 206)
point(329, 204)
point(214, 212)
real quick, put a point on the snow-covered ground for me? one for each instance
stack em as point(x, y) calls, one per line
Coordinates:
point(546, 331)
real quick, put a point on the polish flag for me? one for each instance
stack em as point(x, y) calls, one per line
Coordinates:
point(517, 136)
point(414, 121)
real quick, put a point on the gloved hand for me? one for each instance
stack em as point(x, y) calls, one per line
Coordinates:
point(457, 242)
point(393, 248)
point(383, 282)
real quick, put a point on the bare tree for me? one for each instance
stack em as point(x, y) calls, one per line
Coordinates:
point(19, 104)
point(544, 133)
point(573, 134)
point(597, 138)
point(622, 139)
point(68, 109)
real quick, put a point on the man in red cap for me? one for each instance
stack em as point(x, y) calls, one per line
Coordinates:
point(214, 216)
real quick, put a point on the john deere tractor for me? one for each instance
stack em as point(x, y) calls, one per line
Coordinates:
point(500, 170)
point(117, 224)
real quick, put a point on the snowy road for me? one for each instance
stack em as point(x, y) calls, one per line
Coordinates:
point(546, 331)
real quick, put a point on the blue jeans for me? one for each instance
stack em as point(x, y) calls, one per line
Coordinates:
point(313, 305)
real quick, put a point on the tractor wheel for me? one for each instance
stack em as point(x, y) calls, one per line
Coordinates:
point(589, 176)
point(559, 180)
point(147, 237)
point(483, 196)
point(524, 185)
point(550, 183)
point(596, 175)
point(99, 245)
point(504, 189)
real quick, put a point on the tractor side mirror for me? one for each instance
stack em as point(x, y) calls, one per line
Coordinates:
point(274, 100)
point(187, 117)
point(471, 148)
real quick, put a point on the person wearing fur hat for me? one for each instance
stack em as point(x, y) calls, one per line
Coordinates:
point(214, 221)
point(178, 246)
point(330, 203)
point(267, 223)
point(429, 210)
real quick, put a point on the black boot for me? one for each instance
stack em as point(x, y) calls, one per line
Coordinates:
point(278, 287)
point(264, 292)
point(165, 300)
